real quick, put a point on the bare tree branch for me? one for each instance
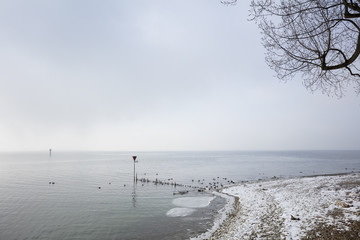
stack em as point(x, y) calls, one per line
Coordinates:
point(318, 39)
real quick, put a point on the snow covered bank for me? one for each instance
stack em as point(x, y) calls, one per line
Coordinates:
point(289, 208)
point(220, 218)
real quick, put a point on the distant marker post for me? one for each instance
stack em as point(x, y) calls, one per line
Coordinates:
point(50, 152)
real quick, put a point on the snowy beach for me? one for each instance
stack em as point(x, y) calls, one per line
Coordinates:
point(320, 207)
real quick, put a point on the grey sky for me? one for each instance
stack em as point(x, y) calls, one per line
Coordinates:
point(153, 75)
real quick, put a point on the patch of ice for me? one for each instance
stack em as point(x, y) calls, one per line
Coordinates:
point(180, 212)
point(193, 202)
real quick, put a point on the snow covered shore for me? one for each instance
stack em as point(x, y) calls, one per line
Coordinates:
point(290, 208)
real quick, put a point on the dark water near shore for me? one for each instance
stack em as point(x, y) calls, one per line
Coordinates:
point(75, 208)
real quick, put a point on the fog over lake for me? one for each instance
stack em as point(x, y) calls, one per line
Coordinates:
point(153, 75)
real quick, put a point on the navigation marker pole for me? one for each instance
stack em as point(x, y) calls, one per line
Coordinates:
point(134, 184)
point(134, 157)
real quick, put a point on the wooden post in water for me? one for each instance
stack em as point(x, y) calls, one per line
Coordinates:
point(50, 152)
point(134, 157)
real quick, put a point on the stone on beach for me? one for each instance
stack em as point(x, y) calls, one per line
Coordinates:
point(342, 204)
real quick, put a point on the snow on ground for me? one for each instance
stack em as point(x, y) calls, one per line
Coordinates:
point(266, 207)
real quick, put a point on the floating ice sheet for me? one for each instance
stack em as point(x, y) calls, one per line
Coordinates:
point(193, 202)
point(180, 212)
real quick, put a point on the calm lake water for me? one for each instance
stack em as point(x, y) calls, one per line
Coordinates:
point(94, 195)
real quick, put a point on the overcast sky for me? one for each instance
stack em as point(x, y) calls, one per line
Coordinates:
point(153, 75)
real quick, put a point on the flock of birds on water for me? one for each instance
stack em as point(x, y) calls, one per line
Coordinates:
point(217, 183)
point(200, 184)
